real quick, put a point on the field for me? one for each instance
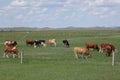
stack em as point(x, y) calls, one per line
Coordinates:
point(58, 63)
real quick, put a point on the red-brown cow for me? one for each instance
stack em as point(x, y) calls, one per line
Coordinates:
point(12, 50)
point(107, 48)
point(29, 42)
point(82, 51)
point(92, 45)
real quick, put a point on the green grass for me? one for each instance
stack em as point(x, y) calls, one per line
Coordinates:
point(58, 63)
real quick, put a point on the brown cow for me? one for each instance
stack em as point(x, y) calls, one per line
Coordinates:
point(10, 43)
point(12, 50)
point(82, 51)
point(51, 42)
point(107, 48)
point(92, 45)
point(29, 42)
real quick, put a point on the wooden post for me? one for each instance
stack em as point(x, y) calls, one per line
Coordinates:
point(21, 57)
point(113, 58)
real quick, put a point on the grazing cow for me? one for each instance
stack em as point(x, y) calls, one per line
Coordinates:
point(66, 43)
point(92, 45)
point(52, 42)
point(29, 42)
point(38, 43)
point(12, 50)
point(10, 43)
point(82, 51)
point(107, 48)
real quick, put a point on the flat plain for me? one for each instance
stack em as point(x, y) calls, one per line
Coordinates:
point(58, 63)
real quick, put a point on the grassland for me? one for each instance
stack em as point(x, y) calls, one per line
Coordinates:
point(58, 63)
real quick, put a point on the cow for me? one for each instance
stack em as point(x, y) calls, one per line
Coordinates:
point(81, 50)
point(29, 42)
point(107, 48)
point(38, 43)
point(12, 50)
point(10, 43)
point(66, 43)
point(51, 42)
point(92, 45)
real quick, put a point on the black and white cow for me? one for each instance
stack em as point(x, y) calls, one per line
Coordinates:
point(38, 43)
point(66, 43)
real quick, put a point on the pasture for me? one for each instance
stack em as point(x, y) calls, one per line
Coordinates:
point(59, 63)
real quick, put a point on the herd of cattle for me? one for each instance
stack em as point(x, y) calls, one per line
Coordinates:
point(106, 48)
point(10, 47)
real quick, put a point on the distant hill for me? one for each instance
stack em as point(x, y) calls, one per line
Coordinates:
point(17, 29)
point(24, 29)
point(47, 28)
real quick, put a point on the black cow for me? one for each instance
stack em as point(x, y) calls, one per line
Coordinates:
point(38, 43)
point(66, 43)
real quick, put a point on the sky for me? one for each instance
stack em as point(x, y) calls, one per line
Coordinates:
point(59, 13)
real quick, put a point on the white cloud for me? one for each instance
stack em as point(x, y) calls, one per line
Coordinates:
point(95, 3)
point(18, 3)
point(58, 10)
point(112, 13)
point(19, 16)
point(115, 1)
point(101, 8)
point(100, 11)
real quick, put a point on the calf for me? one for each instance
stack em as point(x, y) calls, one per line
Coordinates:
point(38, 43)
point(12, 50)
point(66, 43)
point(82, 51)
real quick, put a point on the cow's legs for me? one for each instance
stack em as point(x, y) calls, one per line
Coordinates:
point(13, 55)
point(75, 54)
point(86, 57)
point(4, 55)
point(35, 45)
point(101, 50)
point(43, 44)
point(55, 44)
point(82, 56)
point(7, 56)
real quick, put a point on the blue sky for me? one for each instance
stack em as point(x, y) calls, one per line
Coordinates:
point(59, 13)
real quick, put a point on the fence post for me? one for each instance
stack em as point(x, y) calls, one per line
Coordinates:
point(21, 57)
point(113, 58)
